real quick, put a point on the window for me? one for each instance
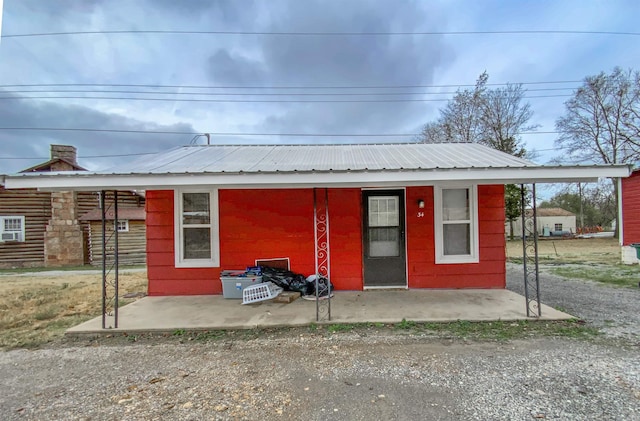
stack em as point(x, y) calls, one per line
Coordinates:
point(12, 228)
point(456, 215)
point(123, 225)
point(384, 223)
point(196, 228)
point(558, 227)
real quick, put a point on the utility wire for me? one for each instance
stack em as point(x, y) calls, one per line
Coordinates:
point(282, 86)
point(330, 34)
point(76, 129)
point(253, 100)
point(153, 153)
point(250, 94)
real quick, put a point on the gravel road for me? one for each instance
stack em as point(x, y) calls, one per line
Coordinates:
point(365, 375)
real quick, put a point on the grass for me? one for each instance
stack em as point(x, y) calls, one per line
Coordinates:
point(87, 268)
point(464, 330)
point(38, 309)
point(563, 251)
point(616, 275)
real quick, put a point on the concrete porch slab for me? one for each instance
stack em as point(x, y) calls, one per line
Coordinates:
point(210, 312)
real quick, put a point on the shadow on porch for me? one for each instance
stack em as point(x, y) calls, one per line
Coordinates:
point(166, 314)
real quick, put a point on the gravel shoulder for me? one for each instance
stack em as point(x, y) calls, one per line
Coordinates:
point(335, 377)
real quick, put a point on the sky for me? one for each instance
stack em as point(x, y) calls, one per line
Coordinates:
point(411, 67)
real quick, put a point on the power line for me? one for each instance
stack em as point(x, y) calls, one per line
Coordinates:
point(251, 94)
point(330, 34)
point(81, 156)
point(333, 101)
point(282, 86)
point(77, 129)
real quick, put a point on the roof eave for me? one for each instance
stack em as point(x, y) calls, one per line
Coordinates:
point(503, 175)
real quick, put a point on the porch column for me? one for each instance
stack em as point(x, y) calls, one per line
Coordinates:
point(530, 251)
point(322, 251)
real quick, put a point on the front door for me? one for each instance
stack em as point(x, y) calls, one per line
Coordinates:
point(384, 248)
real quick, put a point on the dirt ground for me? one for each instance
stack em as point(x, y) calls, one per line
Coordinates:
point(578, 250)
point(38, 307)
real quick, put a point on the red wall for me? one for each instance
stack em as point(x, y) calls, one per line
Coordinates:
point(631, 209)
point(490, 272)
point(279, 223)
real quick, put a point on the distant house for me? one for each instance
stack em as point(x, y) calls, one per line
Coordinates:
point(131, 231)
point(42, 228)
point(369, 216)
point(550, 222)
point(630, 216)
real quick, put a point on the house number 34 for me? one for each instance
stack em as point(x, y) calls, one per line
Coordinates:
point(420, 214)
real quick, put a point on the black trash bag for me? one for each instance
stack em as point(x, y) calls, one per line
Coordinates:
point(287, 280)
point(323, 286)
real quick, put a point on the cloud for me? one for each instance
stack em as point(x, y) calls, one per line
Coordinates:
point(381, 60)
point(36, 113)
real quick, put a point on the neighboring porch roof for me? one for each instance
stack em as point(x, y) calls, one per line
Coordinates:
point(340, 165)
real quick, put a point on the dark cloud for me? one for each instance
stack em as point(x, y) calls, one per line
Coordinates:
point(225, 68)
point(380, 60)
point(36, 113)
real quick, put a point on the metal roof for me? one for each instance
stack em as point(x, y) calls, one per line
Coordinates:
point(319, 158)
point(292, 166)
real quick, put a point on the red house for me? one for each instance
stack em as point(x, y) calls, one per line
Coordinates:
point(630, 216)
point(371, 215)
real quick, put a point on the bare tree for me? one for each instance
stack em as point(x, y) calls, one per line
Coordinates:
point(598, 124)
point(493, 117)
point(600, 121)
point(503, 117)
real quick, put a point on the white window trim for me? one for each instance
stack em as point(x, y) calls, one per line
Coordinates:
point(126, 225)
point(22, 228)
point(474, 256)
point(180, 261)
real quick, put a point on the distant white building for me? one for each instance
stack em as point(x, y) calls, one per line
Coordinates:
point(550, 221)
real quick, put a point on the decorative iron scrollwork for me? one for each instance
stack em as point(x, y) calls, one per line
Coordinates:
point(530, 252)
point(109, 260)
point(322, 253)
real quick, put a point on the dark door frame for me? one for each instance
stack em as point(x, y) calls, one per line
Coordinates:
point(402, 192)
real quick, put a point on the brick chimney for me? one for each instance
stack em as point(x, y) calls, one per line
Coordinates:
point(65, 152)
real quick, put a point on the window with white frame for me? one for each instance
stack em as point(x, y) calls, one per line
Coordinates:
point(123, 225)
point(12, 228)
point(196, 228)
point(558, 227)
point(456, 219)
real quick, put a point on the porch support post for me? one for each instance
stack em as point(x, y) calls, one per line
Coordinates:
point(530, 253)
point(322, 252)
point(109, 261)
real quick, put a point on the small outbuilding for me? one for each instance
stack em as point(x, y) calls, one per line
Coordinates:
point(630, 217)
point(368, 215)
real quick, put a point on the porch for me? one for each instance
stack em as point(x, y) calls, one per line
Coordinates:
point(211, 312)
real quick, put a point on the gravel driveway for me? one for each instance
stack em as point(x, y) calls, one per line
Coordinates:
point(367, 375)
point(616, 311)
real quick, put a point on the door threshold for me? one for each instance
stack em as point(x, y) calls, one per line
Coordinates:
point(387, 287)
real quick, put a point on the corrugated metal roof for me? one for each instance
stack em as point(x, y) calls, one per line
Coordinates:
point(320, 158)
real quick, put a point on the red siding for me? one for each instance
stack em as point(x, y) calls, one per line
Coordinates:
point(490, 272)
point(631, 209)
point(345, 224)
point(279, 223)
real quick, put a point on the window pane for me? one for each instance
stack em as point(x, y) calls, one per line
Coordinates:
point(197, 243)
point(195, 208)
point(456, 239)
point(13, 224)
point(384, 211)
point(383, 242)
point(455, 205)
